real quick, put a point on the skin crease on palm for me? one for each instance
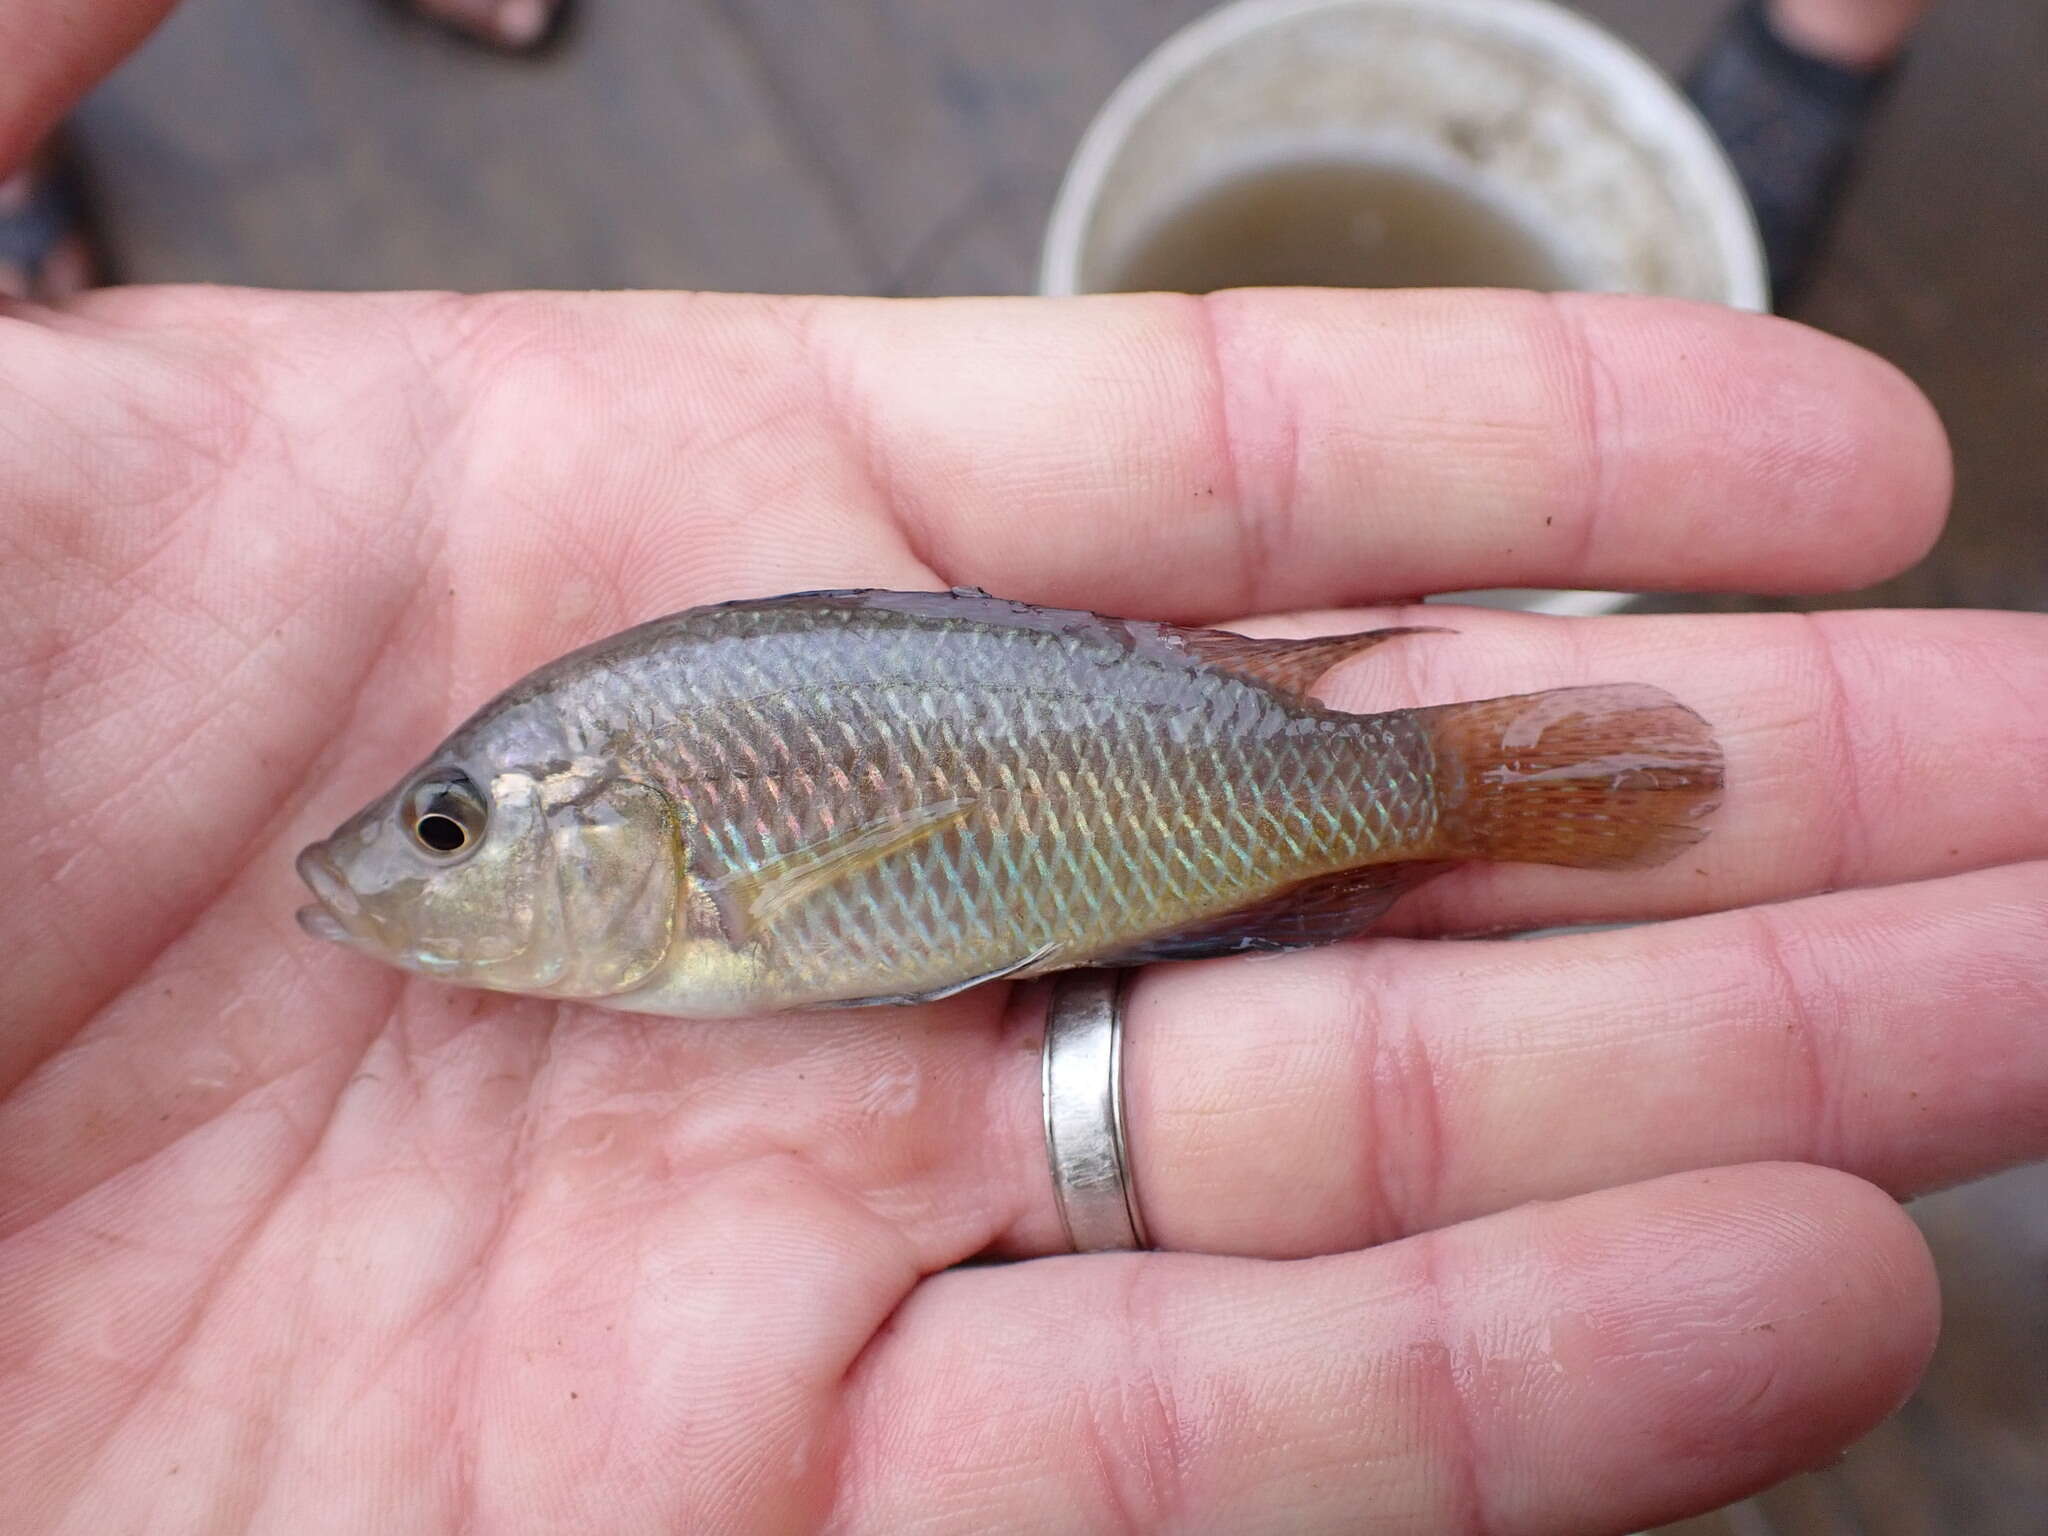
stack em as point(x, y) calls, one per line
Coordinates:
point(1566, 1236)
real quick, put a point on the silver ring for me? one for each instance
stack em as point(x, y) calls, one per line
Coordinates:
point(1083, 1079)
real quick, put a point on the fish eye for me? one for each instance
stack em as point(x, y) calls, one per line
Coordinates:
point(445, 814)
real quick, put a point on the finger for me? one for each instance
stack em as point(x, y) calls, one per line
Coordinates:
point(1257, 450)
point(1862, 747)
point(1596, 1366)
point(53, 54)
point(1319, 1102)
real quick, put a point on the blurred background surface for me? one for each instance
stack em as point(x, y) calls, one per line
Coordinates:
point(912, 147)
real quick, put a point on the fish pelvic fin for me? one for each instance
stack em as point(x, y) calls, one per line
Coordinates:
point(1614, 777)
point(1290, 666)
point(951, 988)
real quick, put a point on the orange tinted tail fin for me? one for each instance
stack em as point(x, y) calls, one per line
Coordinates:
point(1595, 778)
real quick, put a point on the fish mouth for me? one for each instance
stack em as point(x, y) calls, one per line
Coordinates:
point(329, 920)
point(322, 924)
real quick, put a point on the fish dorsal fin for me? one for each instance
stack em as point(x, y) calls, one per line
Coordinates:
point(1317, 911)
point(1291, 666)
point(751, 899)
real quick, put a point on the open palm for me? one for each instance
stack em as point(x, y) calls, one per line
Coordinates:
point(289, 1241)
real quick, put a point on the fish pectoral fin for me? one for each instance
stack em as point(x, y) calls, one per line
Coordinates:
point(1291, 666)
point(1317, 911)
point(951, 988)
point(751, 899)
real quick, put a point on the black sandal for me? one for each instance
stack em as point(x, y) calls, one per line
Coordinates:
point(1789, 122)
point(46, 251)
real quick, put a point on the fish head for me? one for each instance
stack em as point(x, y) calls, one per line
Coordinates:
point(560, 879)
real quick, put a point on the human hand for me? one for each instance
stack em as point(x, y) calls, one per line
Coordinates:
point(287, 1239)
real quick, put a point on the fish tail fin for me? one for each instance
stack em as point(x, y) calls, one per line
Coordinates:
point(1610, 777)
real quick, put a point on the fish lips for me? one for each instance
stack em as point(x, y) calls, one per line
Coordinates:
point(330, 918)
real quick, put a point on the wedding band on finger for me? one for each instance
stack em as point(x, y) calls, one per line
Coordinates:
point(1082, 1075)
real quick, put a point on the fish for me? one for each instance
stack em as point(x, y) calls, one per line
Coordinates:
point(860, 797)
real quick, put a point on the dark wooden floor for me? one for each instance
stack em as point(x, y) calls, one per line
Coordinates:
point(912, 147)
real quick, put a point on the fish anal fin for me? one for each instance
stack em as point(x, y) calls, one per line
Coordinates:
point(1317, 911)
point(1291, 666)
point(751, 899)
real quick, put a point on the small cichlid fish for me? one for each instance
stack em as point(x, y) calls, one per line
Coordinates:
point(888, 797)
